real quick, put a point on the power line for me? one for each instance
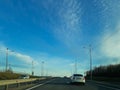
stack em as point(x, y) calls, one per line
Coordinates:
point(107, 38)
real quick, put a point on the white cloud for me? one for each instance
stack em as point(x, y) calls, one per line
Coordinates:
point(22, 57)
point(110, 46)
point(111, 43)
point(2, 47)
point(110, 40)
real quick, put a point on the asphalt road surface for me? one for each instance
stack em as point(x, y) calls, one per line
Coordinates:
point(64, 84)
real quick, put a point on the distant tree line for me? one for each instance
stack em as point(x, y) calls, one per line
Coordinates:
point(106, 71)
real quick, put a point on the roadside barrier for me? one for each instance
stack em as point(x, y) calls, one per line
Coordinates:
point(5, 84)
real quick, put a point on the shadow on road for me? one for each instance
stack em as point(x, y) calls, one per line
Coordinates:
point(58, 83)
point(64, 82)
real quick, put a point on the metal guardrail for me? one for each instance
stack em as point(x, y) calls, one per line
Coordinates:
point(7, 83)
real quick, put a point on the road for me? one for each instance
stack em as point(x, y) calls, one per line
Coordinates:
point(64, 84)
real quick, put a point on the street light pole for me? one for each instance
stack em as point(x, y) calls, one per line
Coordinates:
point(90, 50)
point(7, 58)
point(32, 69)
point(42, 69)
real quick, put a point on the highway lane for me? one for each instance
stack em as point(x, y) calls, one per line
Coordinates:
point(64, 84)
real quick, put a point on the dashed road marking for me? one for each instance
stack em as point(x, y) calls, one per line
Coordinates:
point(40, 85)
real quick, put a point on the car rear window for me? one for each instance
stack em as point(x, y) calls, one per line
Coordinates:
point(78, 75)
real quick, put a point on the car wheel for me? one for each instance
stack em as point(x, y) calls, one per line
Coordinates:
point(83, 84)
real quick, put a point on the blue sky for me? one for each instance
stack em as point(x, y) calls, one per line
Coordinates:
point(55, 31)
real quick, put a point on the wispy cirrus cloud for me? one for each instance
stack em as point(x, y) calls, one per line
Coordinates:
point(68, 29)
point(109, 11)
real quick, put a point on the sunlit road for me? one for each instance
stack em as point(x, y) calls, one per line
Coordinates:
point(64, 84)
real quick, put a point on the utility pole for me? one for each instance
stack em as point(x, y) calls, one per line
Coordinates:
point(32, 69)
point(46, 72)
point(7, 59)
point(71, 70)
point(76, 66)
point(90, 53)
point(10, 68)
point(42, 69)
point(0, 61)
point(90, 50)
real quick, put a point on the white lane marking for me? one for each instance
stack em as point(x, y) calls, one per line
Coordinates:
point(34, 87)
point(108, 87)
point(40, 85)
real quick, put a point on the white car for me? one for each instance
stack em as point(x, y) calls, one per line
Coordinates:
point(78, 78)
point(24, 77)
